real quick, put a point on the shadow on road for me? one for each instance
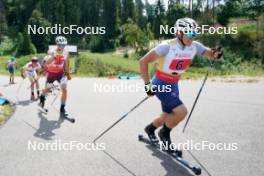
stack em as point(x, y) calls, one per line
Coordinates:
point(46, 127)
point(172, 167)
point(119, 163)
point(24, 102)
point(7, 85)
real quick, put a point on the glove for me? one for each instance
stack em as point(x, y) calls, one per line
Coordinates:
point(150, 89)
point(218, 53)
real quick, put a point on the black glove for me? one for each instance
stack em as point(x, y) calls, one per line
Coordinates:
point(218, 53)
point(150, 89)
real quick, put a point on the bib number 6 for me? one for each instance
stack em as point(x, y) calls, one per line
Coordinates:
point(180, 64)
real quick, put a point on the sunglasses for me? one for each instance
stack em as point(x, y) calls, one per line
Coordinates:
point(191, 34)
point(61, 46)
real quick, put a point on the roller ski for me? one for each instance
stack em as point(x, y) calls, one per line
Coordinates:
point(42, 100)
point(177, 154)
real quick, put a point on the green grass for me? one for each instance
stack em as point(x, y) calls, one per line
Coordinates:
point(3, 60)
point(5, 112)
point(116, 60)
point(250, 28)
point(107, 64)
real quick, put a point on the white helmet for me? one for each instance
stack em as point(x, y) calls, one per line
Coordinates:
point(60, 40)
point(186, 25)
point(34, 59)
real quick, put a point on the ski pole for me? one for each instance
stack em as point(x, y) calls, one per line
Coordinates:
point(55, 98)
point(198, 95)
point(137, 105)
point(56, 95)
point(54, 88)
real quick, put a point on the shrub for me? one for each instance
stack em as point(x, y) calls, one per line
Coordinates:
point(97, 44)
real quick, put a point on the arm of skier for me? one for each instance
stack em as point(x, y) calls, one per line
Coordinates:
point(52, 56)
point(216, 54)
point(22, 72)
point(151, 56)
point(67, 68)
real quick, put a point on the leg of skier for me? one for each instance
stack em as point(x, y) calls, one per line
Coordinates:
point(63, 98)
point(45, 91)
point(37, 87)
point(13, 76)
point(172, 120)
point(32, 89)
point(158, 122)
point(168, 121)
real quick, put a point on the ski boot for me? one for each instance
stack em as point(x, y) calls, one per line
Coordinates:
point(151, 133)
point(42, 99)
point(63, 113)
point(38, 95)
point(165, 138)
point(32, 97)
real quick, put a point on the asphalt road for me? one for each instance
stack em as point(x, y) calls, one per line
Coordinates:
point(229, 113)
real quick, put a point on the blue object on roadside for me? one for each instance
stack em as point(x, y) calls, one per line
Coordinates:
point(129, 76)
point(122, 76)
point(3, 101)
point(134, 77)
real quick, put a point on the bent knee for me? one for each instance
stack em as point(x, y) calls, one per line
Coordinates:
point(63, 90)
point(180, 112)
point(184, 111)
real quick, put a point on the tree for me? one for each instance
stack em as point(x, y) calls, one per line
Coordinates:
point(227, 10)
point(159, 18)
point(72, 12)
point(3, 24)
point(110, 18)
point(140, 18)
point(134, 36)
point(174, 12)
point(90, 12)
point(150, 12)
point(24, 45)
point(41, 41)
point(127, 10)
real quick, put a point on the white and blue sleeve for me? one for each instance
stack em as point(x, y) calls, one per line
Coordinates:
point(162, 49)
point(201, 49)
